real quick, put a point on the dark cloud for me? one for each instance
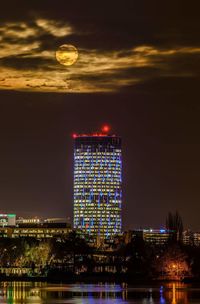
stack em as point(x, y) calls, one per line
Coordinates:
point(27, 63)
point(115, 23)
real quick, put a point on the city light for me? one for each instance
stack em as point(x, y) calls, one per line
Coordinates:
point(105, 128)
point(97, 185)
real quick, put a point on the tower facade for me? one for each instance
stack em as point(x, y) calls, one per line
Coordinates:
point(98, 184)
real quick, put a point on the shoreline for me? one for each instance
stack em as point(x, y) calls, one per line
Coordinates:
point(90, 279)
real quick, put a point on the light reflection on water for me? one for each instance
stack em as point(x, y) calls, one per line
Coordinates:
point(41, 293)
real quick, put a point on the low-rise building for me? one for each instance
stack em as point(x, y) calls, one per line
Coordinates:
point(35, 231)
point(153, 236)
point(27, 221)
point(196, 238)
point(188, 237)
point(156, 236)
point(7, 220)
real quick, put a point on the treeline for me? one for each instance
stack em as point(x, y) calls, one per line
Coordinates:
point(137, 259)
point(72, 255)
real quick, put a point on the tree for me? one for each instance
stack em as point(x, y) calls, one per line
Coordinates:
point(37, 253)
point(173, 264)
point(72, 252)
point(141, 255)
point(79, 250)
point(11, 251)
point(174, 224)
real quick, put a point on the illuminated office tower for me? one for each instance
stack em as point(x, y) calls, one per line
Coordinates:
point(98, 184)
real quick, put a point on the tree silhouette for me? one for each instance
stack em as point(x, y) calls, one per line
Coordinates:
point(174, 224)
point(73, 252)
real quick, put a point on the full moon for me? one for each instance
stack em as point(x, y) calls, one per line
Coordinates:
point(67, 54)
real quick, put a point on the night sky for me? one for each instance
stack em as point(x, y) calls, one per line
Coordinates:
point(138, 70)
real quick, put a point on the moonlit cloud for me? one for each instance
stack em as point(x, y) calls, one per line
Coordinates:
point(27, 61)
point(54, 28)
point(16, 49)
point(152, 51)
point(18, 30)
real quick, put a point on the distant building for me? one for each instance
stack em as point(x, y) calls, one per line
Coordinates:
point(98, 184)
point(152, 236)
point(7, 220)
point(191, 238)
point(35, 232)
point(33, 227)
point(55, 220)
point(188, 237)
point(156, 236)
point(40, 221)
point(33, 220)
point(196, 238)
point(161, 236)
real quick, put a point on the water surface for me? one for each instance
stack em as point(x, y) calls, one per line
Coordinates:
point(102, 293)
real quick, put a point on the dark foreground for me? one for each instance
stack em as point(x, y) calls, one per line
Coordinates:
point(70, 278)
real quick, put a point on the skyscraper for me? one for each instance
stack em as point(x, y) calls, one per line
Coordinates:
point(98, 184)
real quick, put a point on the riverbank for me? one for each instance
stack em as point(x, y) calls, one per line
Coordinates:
point(70, 278)
point(93, 278)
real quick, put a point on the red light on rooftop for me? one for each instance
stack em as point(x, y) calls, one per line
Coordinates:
point(105, 129)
